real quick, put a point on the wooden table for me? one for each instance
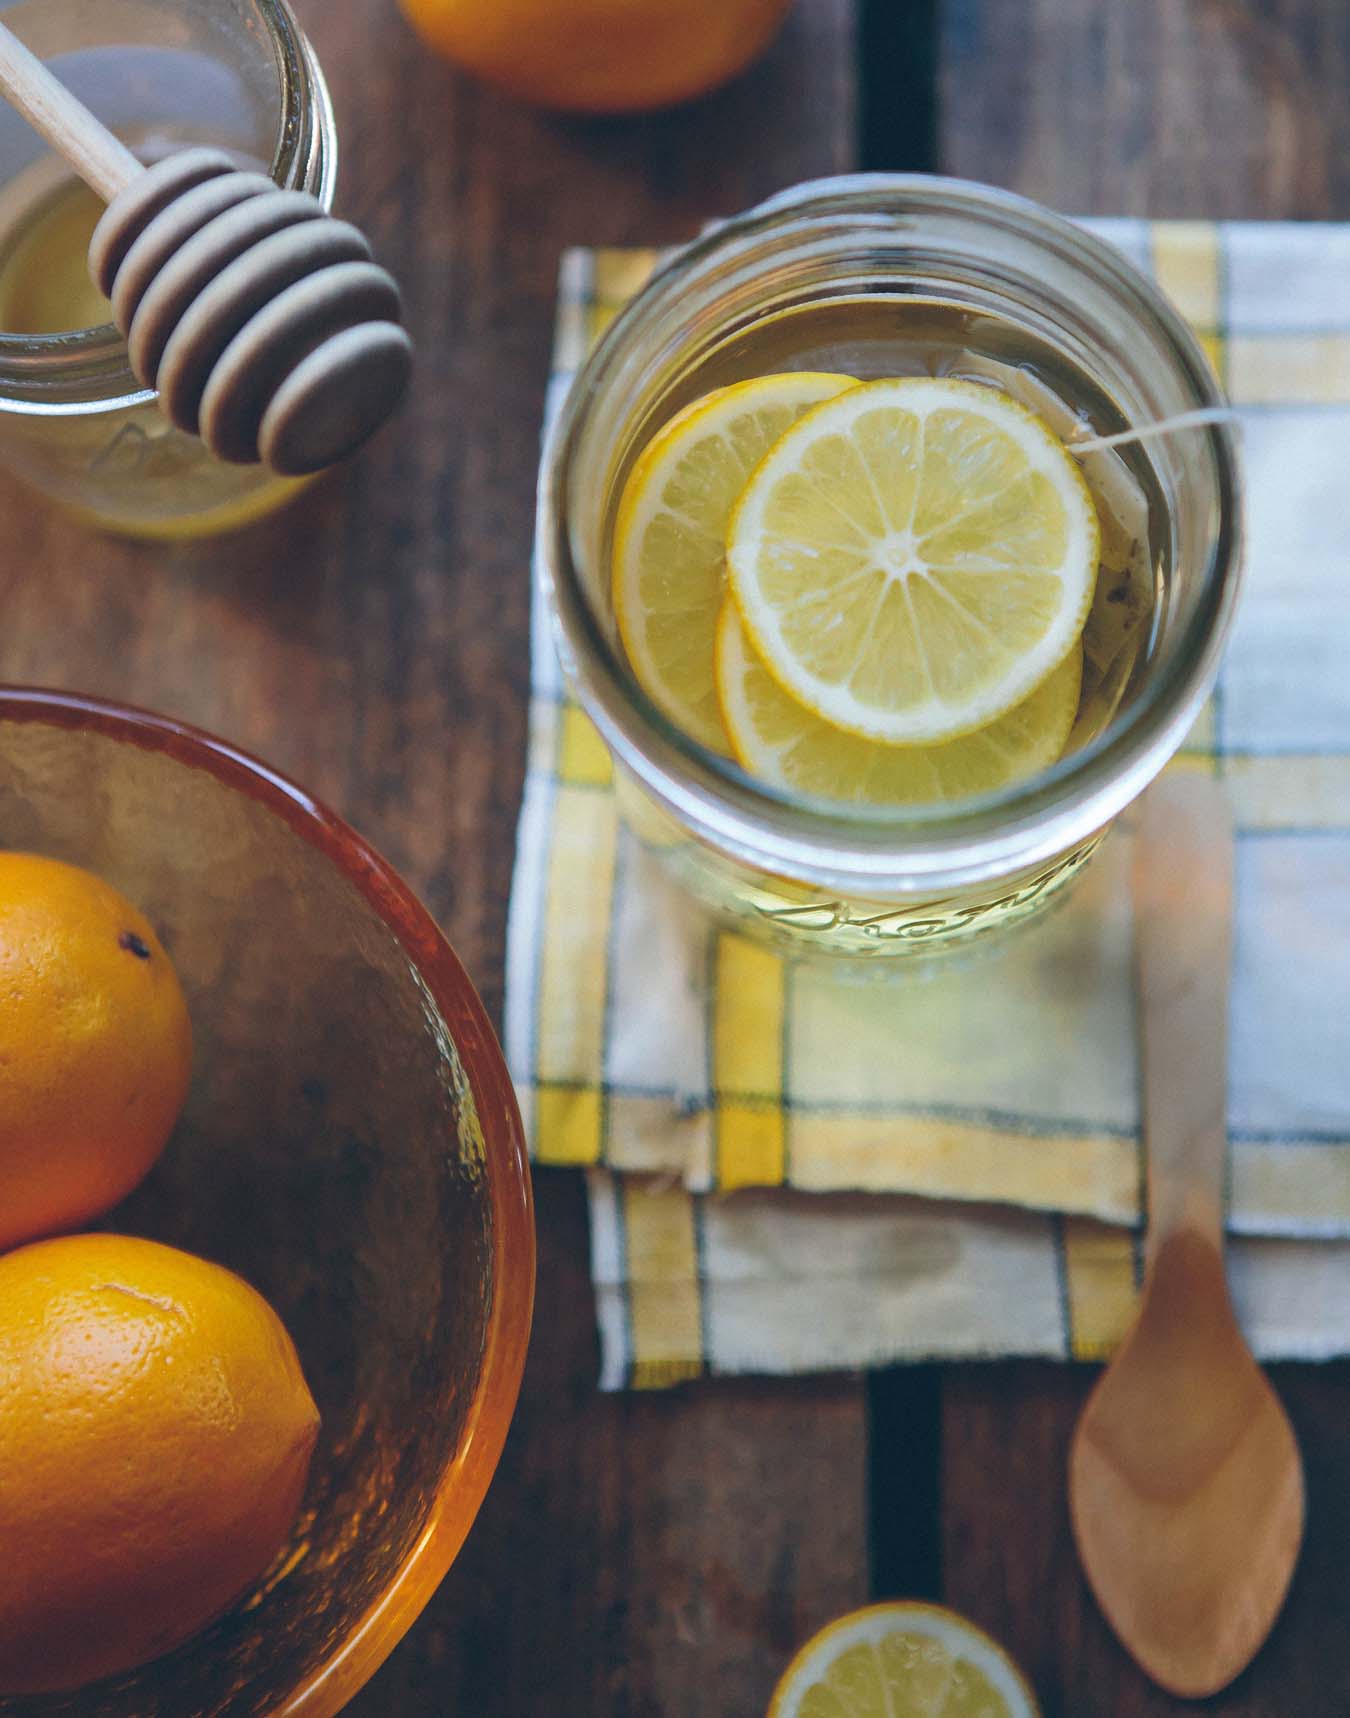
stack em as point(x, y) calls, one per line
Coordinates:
point(648, 1556)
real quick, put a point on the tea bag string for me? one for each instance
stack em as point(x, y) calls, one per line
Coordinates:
point(1164, 426)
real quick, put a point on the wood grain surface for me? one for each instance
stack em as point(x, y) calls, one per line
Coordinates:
point(636, 1556)
point(659, 1557)
point(1184, 108)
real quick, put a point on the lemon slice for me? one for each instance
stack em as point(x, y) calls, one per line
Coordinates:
point(919, 1661)
point(670, 536)
point(914, 558)
point(784, 743)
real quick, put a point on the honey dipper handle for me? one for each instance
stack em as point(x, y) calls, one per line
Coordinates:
point(101, 160)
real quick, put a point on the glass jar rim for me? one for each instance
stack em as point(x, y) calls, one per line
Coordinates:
point(1025, 823)
point(98, 355)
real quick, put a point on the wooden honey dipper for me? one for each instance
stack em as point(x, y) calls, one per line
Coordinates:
point(259, 319)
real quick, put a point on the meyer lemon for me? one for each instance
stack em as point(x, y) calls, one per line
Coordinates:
point(783, 743)
point(670, 532)
point(920, 1660)
point(914, 558)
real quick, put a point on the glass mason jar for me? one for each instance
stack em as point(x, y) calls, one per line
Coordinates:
point(74, 422)
point(822, 277)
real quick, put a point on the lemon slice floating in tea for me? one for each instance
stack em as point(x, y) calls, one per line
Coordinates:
point(902, 1658)
point(785, 744)
point(670, 536)
point(914, 558)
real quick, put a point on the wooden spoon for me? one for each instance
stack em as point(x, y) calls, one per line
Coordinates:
point(1185, 1483)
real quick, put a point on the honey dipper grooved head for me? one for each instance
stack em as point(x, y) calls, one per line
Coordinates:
point(261, 321)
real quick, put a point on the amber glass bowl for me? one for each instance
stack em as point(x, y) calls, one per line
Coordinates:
point(351, 1146)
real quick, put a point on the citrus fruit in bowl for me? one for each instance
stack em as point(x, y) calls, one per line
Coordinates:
point(95, 1046)
point(599, 56)
point(350, 1147)
point(157, 1433)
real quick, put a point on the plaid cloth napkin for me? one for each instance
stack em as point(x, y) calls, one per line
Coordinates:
point(755, 1144)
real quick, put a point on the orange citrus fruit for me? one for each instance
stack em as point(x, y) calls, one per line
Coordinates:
point(95, 1046)
point(599, 56)
point(155, 1436)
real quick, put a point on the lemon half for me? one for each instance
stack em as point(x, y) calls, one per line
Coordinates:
point(785, 744)
point(670, 536)
point(914, 558)
point(922, 1661)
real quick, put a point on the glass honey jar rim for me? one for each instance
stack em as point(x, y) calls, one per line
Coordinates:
point(850, 846)
point(86, 369)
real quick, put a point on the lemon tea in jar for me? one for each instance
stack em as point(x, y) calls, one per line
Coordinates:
point(880, 617)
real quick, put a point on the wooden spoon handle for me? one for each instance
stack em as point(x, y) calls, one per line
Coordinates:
point(103, 161)
point(1183, 898)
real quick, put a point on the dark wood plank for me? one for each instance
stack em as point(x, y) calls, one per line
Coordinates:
point(1222, 108)
point(898, 115)
point(636, 1556)
point(1226, 108)
point(904, 1425)
point(637, 1552)
point(1009, 1560)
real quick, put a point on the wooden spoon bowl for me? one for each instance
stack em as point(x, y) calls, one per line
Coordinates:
point(1185, 1484)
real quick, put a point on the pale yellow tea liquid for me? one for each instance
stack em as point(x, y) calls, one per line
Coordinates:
point(871, 338)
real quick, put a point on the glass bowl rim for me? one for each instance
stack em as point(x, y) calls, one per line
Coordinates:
point(462, 1487)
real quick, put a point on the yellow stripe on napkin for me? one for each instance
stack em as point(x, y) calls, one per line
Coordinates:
point(961, 1159)
point(747, 1037)
point(1188, 266)
point(664, 1297)
point(1298, 1186)
point(571, 1005)
point(1297, 369)
point(582, 758)
point(1100, 1288)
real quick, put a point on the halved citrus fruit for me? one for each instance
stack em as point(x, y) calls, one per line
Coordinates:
point(922, 1661)
point(670, 536)
point(914, 558)
point(787, 745)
